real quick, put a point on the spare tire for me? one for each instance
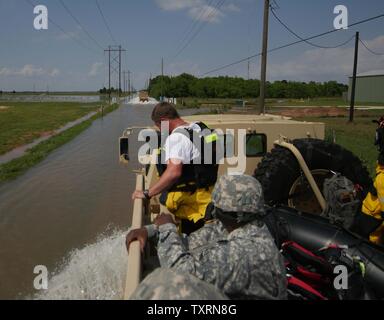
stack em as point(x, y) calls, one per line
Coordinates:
point(284, 182)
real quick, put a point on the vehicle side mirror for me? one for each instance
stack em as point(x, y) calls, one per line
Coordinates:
point(124, 149)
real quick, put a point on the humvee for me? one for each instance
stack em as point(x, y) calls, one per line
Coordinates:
point(290, 158)
point(143, 96)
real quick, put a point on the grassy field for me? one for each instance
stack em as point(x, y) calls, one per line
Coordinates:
point(357, 137)
point(23, 122)
point(318, 102)
point(14, 168)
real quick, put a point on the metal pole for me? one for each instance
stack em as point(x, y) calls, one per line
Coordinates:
point(129, 82)
point(263, 75)
point(109, 74)
point(353, 89)
point(119, 70)
point(162, 78)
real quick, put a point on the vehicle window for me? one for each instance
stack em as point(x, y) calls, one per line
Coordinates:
point(256, 145)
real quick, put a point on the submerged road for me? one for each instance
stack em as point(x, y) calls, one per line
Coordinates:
point(78, 192)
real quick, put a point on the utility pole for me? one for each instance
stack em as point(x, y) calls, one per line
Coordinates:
point(114, 65)
point(109, 74)
point(263, 75)
point(353, 89)
point(162, 78)
point(248, 71)
point(119, 70)
point(124, 81)
point(129, 82)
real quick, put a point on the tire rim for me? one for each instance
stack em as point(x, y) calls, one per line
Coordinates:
point(301, 195)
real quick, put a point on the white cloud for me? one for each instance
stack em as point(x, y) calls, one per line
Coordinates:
point(173, 5)
point(231, 7)
point(29, 70)
point(70, 35)
point(198, 9)
point(314, 64)
point(327, 64)
point(95, 69)
point(55, 72)
point(206, 14)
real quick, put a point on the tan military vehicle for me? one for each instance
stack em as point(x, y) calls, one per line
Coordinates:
point(143, 96)
point(290, 158)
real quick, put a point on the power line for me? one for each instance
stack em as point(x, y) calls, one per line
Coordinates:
point(105, 22)
point(209, 15)
point(70, 36)
point(308, 42)
point(80, 25)
point(188, 31)
point(292, 44)
point(370, 50)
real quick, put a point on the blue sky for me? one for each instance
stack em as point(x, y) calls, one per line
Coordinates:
point(151, 29)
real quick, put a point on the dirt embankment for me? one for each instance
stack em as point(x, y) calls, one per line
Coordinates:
point(314, 112)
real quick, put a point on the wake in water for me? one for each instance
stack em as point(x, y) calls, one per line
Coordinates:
point(136, 100)
point(95, 272)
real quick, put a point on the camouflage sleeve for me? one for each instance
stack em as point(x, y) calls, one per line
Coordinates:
point(172, 250)
point(213, 231)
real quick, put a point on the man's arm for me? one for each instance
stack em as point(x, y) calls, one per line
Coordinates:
point(171, 249)
point(168, 178)
point(174, 253)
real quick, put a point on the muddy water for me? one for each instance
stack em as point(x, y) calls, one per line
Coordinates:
point(65, 201)
point(64, 204)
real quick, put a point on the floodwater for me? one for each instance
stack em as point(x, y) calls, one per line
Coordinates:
point(70, 213)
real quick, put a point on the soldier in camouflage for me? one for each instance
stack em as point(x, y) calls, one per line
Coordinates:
point(243, 260)
point(236, 252)
point(172, 284)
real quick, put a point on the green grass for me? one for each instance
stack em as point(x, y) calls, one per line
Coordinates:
point(317, 102)
point(14, 168)
point(23, 122)
point(252, 102)
point(357, 137)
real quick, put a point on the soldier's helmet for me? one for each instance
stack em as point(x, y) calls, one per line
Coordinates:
point(172, 284)
point(238, 197)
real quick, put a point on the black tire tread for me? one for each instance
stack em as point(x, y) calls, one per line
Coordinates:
point(279, 168)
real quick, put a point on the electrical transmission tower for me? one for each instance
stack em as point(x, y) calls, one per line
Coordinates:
point(114, 65)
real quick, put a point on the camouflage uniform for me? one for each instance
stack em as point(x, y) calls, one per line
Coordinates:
point(244, 264)
point(172, 284)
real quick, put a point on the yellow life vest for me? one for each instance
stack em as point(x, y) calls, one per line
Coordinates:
point(373, 204)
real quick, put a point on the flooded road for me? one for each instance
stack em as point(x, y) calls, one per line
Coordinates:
point(65, 203)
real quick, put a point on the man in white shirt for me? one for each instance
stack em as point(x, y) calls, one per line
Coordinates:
point(185, 186)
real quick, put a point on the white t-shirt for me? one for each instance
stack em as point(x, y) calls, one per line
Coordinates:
point(179, 146)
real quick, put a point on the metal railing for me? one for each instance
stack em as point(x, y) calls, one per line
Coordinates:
point(134, 265)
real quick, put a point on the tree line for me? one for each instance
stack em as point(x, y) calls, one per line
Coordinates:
point(186, 85)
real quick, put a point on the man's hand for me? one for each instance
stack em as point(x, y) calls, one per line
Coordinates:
point(138, 194)
point(163, 218)
point(137, 234)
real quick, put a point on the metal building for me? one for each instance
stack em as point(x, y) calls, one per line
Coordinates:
point(369, 87)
